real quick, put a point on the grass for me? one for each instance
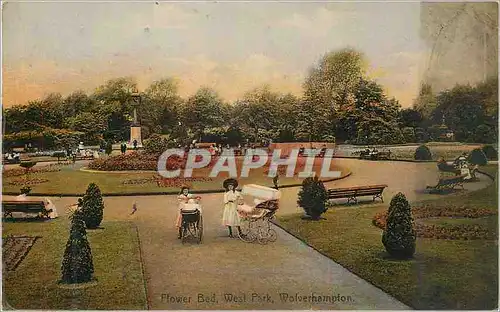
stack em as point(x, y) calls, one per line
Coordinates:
point(116, 257)
point(71, 180)
point(444, 274)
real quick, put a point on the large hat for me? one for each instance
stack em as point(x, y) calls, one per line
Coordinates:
point(232, 181)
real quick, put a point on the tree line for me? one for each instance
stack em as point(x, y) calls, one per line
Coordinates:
point(339, 103)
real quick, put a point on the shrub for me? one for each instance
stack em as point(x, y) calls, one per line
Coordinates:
point(477, 157)
point(155, 144)
point(25, 190)
point(59, 155)
point(77, 265)
point(423, 153)
point(490, 152)
point(483, 134)
point(399, 236)
point(92, 206)
point(313, 197)
point(28, 164)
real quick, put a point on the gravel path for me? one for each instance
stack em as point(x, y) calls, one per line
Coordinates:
point(255, 275)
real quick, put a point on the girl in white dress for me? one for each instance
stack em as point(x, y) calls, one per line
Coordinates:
point(230, 215)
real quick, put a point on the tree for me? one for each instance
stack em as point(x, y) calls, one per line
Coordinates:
point(462, 110)
point(92, 124)
point(115, 105)
point(159, 110)
point(313, 197)
point(203, 110)
point(92, 206)
point(334, 79)
point(77, 265)
point(258, 110)
point(399, 235)
point(425, 103)
point(410, 117)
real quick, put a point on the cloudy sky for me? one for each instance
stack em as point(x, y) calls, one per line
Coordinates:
point(230, 46)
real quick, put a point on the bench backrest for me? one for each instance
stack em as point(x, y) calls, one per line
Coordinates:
point(358, 188)
point(23, 206)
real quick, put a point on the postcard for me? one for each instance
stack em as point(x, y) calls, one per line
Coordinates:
point(248, 155)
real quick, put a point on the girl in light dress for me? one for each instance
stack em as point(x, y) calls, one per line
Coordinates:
point(230, 216)
point(183, 199)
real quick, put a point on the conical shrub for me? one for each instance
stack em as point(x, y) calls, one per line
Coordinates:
point(77, 265)
point(399, 235)
point(92, 206)
point(313, 197)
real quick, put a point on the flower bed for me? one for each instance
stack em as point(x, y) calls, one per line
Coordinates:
point(17, 172)
point(31, 181)
point(461, 231)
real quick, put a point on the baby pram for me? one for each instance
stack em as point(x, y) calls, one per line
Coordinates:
point(191, 221)
point(255, 219)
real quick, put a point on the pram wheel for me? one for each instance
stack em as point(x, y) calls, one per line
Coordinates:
point(192, 226)
point(200, 230)
point(246, 234)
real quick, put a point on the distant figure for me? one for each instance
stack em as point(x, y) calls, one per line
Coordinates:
point(276, 180)
point(134, 208)
point(123, 148)
point(135, 144)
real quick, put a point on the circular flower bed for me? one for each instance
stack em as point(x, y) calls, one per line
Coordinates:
point(139, 161)
point(459, 231)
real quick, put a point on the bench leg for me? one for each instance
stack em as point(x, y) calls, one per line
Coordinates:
point(378, 196)
point(353, 199)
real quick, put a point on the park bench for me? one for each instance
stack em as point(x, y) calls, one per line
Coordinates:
point(352, 193)
point(374, 155)
point(24, 206)
point(448, 183)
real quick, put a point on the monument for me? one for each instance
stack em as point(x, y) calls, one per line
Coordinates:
point(135, 128)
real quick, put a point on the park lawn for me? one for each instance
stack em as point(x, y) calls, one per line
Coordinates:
point(449, 152)
point(71, 180)
point(444, 274)
point(117, 268)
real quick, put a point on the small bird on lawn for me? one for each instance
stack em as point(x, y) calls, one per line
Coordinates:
point(134, 208)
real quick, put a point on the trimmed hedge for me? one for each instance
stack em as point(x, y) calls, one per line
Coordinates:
point(477, 157)
point(490, 152)
point(422, 153)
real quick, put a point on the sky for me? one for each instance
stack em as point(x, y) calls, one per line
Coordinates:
point(232, 47)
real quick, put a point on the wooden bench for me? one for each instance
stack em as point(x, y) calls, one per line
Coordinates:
point(448, 184)
point(352, 193)
point(25, 206)
point(385, 154)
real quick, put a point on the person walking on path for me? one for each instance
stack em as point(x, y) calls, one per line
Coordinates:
point(230, 217)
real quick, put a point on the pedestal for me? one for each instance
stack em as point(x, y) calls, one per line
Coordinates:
point(135, 134)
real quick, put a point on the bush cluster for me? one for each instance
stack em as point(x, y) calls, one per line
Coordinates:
point(422, 153)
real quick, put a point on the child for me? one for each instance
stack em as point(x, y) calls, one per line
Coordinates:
point(230, 215)
point(183, 199)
